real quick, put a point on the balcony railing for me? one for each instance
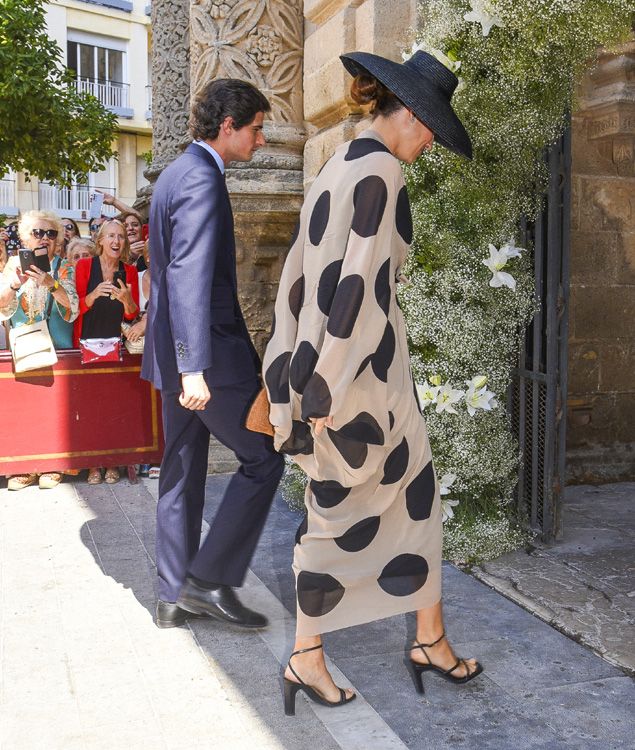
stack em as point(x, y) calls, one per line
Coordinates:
point(73, 200)
point(7, 193)
point(112, 94)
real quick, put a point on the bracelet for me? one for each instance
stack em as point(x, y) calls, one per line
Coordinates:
point(56, 286)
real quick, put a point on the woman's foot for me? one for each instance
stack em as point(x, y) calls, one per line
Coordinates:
point(94, 476)
point(50, 480)
point(20, 481)
point(437, 652)
point(112, 475)
point(311, 670)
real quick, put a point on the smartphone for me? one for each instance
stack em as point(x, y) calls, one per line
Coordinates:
point(13, 244)
point(28, 258)
point(116, 276)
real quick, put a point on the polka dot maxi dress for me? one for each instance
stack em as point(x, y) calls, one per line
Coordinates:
point(370, 545)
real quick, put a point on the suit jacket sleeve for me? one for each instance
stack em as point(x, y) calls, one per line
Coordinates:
point(196, 212)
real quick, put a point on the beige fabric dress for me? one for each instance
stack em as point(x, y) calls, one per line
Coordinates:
point(370, 546)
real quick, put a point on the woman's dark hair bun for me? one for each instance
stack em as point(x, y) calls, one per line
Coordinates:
point(365, 88)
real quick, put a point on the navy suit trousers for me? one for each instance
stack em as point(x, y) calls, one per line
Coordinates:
point(224, 556)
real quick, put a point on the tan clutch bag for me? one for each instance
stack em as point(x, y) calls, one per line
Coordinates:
point(258, 415)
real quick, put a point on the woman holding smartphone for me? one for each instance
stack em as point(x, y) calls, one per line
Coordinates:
point(36, 284)
point(108, 290)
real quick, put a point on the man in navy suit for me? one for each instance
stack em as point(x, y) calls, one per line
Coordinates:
point(199, 354)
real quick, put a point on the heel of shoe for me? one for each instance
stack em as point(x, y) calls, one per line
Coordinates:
point(416, 674)
point(290, 690)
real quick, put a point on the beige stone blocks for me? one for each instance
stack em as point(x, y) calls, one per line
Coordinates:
point(384, 27)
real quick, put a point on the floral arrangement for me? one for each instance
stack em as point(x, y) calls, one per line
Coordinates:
point(471, 296)
point(471, 293)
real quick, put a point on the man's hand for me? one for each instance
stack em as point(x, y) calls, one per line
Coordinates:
point(320, 423)
point(195, 392)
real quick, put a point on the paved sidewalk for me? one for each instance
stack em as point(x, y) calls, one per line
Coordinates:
point(584, 585)
point(83, 666)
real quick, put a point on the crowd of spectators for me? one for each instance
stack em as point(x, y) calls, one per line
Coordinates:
point(92, 287)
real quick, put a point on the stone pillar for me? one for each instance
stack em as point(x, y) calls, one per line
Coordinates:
point(258, 41)
point(170, 87)
point(601, 403)
point(333, 27)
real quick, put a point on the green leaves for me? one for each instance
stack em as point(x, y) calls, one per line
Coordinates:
point(47, 128)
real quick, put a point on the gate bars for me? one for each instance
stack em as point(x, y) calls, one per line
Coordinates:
point(538, 393)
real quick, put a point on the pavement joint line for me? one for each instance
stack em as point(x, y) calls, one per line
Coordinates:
point(145, 549)
point(354, 734)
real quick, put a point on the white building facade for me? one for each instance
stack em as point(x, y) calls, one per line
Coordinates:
point(106, 43)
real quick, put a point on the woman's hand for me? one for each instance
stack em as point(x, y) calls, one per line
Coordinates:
point(124, 295)
point(320, 423)
point(41, 278)
point(109, 199)
point(105, 289)
point(135, 332)
point(136, 249)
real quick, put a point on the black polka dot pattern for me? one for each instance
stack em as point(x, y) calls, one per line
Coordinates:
point(369, 201)
point(296, 297)
point(346, 305)
point(302, 365)
point(403, 217)
point(296, 232)
point(359, 536)
point(277, 379)
point(396, 463)
point(300, 441)
point(318, 593)
point(420, 494)
point(317, 399)
point(352, 440)
point(404, 575)
point(365, 362)
point(320, 218)
point(362, 147)
point(382, 287)
point(302, 529)
point(327, 286)
point(391, 419)
point(328, 493)
point(383, 357)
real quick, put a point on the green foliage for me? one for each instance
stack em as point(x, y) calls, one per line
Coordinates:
point(517, 86)
point(47, 128)
point(147, 157)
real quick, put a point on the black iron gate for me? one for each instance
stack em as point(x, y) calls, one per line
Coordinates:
point(539, 389)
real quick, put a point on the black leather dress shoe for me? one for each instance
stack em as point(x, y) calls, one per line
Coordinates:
point(170, 615)
point(221, 603)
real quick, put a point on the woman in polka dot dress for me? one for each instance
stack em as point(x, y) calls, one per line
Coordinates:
point(342, 397)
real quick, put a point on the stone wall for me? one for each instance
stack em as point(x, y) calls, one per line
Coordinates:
point(333, 27)
point(601, 401)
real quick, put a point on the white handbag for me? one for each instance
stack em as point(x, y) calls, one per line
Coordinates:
point(32, 347)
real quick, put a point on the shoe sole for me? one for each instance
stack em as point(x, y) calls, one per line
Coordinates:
point(196, 610)
point(165, 624)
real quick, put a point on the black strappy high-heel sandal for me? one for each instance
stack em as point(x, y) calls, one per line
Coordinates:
point(416, 669)
point(291, 689)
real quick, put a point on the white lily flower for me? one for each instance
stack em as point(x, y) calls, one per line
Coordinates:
point(477, 382)
point(484, 12)
point(446, 481)
point(451, 65)
point(496, 261)
point(510, 249)
point(447, 397)
point(479, 398)
point(409, 53)
point(446, 509)
point(427, 394)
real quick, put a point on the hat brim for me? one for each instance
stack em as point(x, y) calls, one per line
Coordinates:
point(416, 94)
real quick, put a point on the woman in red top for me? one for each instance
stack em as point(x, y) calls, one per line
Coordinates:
point(105, 301)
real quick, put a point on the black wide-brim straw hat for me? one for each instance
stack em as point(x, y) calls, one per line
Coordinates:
point(423, 85)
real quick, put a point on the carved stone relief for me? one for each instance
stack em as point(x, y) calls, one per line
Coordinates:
point(255, 40)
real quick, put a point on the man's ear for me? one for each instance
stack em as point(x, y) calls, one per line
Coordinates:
point(227, 125)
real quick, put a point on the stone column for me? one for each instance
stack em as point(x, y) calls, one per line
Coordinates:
point(170, 87)
point(258, 41)
point(333, 27)
point(601, 404)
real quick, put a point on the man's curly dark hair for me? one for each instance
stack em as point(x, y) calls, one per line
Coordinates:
point(225, 97)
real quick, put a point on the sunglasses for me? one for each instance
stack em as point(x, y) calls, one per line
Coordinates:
point(94, 227)
point(69, 227)
point(41, 233)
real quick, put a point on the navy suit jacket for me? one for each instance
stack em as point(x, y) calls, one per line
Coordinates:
point(194, 318)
